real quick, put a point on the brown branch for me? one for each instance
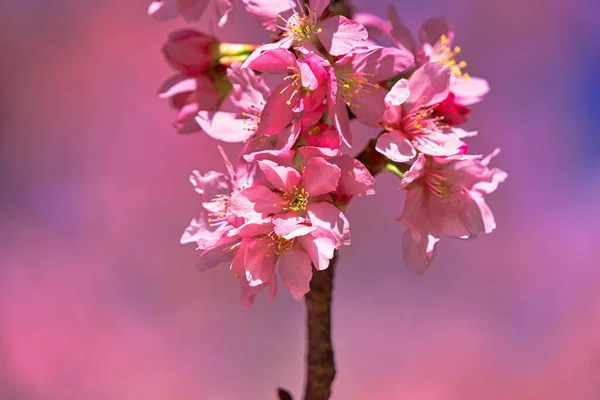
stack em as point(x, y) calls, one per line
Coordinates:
point(320, 362)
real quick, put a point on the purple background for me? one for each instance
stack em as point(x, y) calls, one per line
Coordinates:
point(99, 301)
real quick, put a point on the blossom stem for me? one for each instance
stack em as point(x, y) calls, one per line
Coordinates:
point(320, 359)
point(394, 169)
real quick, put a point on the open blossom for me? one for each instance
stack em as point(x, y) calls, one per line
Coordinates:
point(296, 198)
point(435, 44)
point(191, 10)
point(412, 126)
point(354, 83)
point(445, 197)
point(303, 89)
point(249, 94)
point(301, 25)
point(207, 228)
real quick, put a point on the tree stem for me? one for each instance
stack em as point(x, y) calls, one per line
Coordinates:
point(320, 361)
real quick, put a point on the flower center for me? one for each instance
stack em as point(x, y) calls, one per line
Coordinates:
point(422, 121)
point(302, 25)
point(444, 53)
point(352, 84)
point(436, 184)
point(296, 200)
point(252, 118)
point(295, 84)
point(218, 214)
point(278, 245)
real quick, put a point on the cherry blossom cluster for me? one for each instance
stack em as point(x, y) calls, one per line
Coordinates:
point(279, 209)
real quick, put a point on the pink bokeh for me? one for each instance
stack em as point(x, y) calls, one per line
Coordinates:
point(99, 301)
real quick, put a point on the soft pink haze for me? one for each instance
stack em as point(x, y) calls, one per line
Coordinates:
point(99, 300)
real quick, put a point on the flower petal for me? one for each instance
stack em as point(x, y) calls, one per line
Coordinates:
point(340, 35)
point(259, 261)
point(274, 61)
point(277, 113)
point(225, 126)
point(398, 94)
point(355, 180)
point(282, 178)
point(320, 177)
point(319, 247)
point(371, 108)
point(295, 270)
point(330, 218)
point(429, 85)
point(400, 32)
point(433, 28)
point(254, 200)
point(419, 251)
point(395, 146)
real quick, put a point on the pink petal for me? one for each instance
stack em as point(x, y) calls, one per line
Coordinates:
point(188, 51)
point(223, 7)
point(252, 227)
point(277, 114)
point(419, 251)
point(433, 28)
point(210, 184)
point(340, 35)
point(295, 270)
point(202, 232)
point(398, 94)
point(290, 227)
point(265, 11)
point(330, 218)
point(371, 107)
point(318, 6)
point(415, 172)
point(220, 254)
point(254, 200)
point(259, 261)
point(309, 79)
point(228, 165)
point(320, 177)
point(225, 126)
point(469, 91)
point(339, 115)
point(438, 143)
point(429, 85)
point(382, 62)
point(373, 23)
point(176, 85)
point(249, 92)
point(320, 249)
point(274, 61)
point(282, 178)
point(355, 180)
point(395, 146)
point(399, 31)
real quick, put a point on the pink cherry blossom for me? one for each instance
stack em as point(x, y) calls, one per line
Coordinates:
point(191, 10)
point(445, 197)
point(214, 220)
point(412, 125)
point(302, 90)
point(301, 24)
point(295, 197)
point(292, 253)
point(354, 82)
point(249, 94)
point(435, 45)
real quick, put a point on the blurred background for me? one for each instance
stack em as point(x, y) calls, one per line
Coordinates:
point(98, 300)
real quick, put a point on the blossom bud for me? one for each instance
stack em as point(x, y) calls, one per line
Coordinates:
point(189, 51)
